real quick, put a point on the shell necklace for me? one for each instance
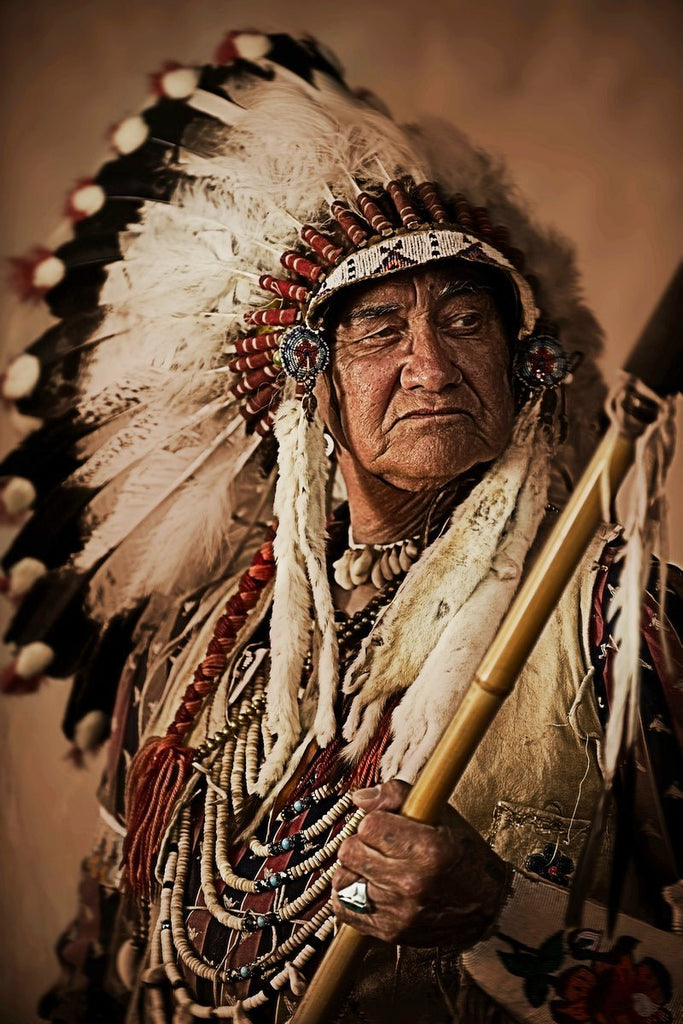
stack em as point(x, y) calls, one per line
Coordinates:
point(379, 563)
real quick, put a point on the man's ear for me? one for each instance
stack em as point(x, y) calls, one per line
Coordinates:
point(328, 406)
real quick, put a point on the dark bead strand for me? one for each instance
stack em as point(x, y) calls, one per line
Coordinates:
point(351, 630)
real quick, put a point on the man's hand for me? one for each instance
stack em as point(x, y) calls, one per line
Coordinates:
point(427, 886)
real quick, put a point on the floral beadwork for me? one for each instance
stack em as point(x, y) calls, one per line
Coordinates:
point(614, 990)
point(603, 988)
point(304, 353)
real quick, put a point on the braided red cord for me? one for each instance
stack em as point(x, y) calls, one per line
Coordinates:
point(209, 671)
point(161, 767)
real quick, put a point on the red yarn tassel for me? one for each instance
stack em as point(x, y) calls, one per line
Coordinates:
point(24, 273)
point(264, 425)
point(350, 224)
point(254, 380)
point(157, 776)
point(428, 194)
point(464, 213)
point(260, 400)
point(242, 364)
point(484, 226)
point(160, 769)
point(404, 207)
point(292, 260)
point(373, 214)
point(321, 244)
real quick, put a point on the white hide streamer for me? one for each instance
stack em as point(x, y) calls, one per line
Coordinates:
point(311, 517)
point(290, 618)
point(433, 698)
point(489, 536)
point(301, 579)
point(644, 518)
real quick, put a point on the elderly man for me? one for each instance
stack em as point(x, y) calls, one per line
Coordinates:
point(419, 396)
point(278, 662)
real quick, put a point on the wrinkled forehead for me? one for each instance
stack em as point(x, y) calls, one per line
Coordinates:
point(436, 283)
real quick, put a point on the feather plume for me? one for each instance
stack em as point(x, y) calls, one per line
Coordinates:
point(148, 430)
point(184, 512)
point(310, 510)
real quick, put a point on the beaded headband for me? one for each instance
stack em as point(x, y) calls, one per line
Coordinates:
point(401, 227)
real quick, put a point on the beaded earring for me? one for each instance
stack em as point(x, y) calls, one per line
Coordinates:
point(304, 353)
point(542, 363)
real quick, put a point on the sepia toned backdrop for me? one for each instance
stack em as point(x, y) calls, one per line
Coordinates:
point(582, 99)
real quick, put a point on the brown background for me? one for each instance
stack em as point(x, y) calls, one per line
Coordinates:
point(582, 98)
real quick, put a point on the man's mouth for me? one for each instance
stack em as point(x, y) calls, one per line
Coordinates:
point(430, 413)
point(430, 417)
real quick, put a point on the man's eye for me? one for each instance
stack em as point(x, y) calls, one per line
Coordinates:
point(387, 333)
point(463, 322)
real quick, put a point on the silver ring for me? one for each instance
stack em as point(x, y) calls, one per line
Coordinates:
point(355, 897)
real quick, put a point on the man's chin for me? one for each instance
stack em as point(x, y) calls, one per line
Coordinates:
point(422, 477)
point(432, 462)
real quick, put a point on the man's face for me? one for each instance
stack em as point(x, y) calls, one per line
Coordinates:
point(420, 375)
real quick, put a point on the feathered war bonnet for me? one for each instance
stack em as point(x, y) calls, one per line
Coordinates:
point(187, 314)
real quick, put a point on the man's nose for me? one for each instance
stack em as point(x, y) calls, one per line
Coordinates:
point(429, 365)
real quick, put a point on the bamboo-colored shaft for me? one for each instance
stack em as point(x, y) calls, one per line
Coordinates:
point(492, 683)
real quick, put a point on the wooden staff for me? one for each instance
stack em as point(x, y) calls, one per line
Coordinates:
point(656, 361)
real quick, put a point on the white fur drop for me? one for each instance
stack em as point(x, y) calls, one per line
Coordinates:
point(251, 45)
point(21, 376)
point(33, 659)
point(24, 574)
point(179, 83)
point(18, 495)
point(88, 199)
point(91, 730)
point(129, 134)
point(48, 272)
